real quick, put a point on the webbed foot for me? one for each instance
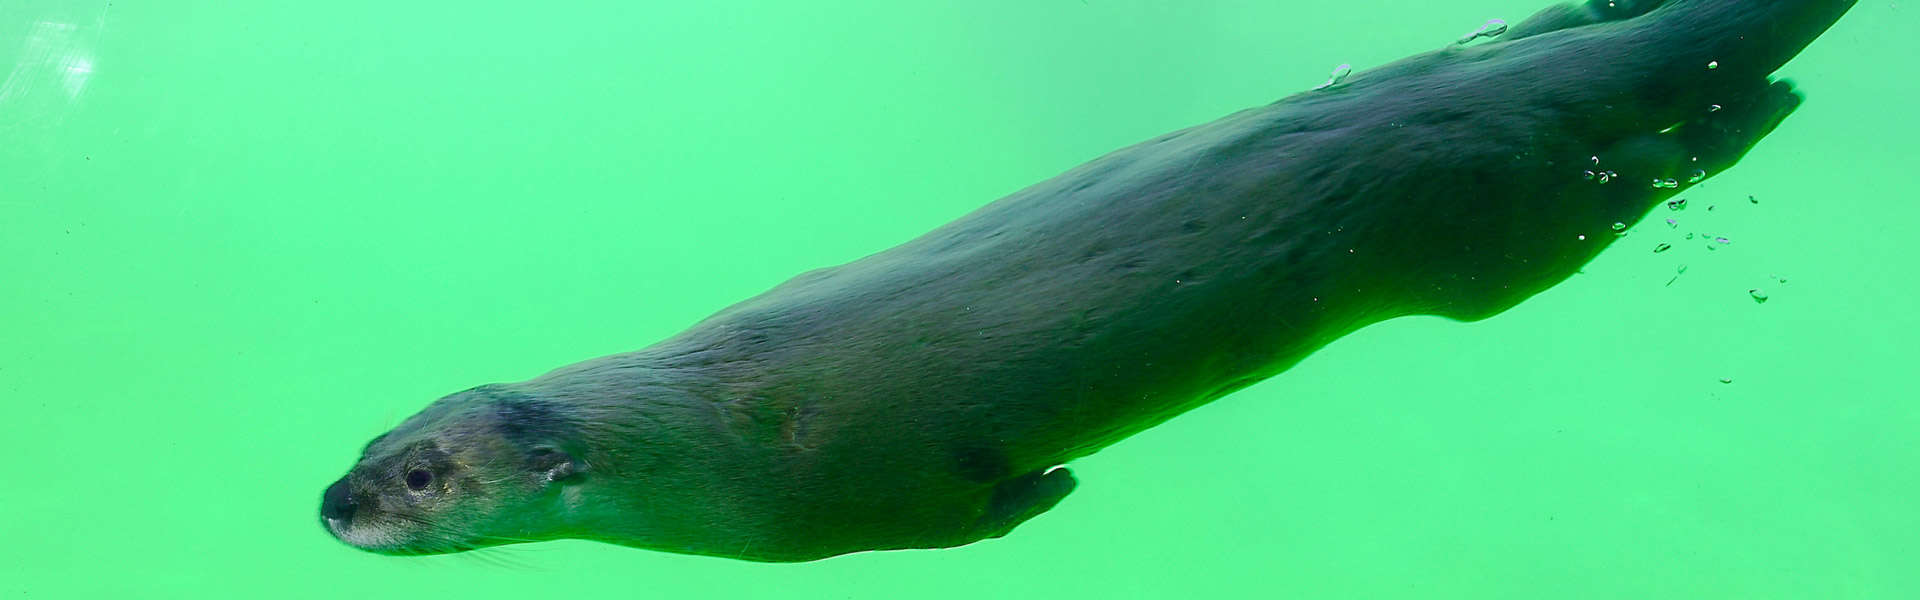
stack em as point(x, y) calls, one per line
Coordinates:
point(1024, 497)
point(1570, 15)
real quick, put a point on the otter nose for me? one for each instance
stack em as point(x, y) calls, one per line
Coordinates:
point(337, 504)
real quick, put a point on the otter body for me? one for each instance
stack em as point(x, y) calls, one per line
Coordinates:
point(925, 396)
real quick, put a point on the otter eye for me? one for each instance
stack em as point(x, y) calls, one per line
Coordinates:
point(418, 479)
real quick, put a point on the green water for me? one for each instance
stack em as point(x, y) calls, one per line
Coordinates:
point(237, 240)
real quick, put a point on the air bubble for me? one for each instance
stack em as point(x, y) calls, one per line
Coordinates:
point(1696, 176)
point(1759, 297)
point(1340, 74)
point(1665, 184)
point(1680, 204)
point(1493, 27)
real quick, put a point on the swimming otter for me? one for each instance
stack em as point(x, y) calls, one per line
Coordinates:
point(927, 396)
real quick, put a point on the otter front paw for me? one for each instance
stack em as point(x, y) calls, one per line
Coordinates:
point(1024, 497)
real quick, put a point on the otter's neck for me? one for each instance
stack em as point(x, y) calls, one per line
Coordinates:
point(659, 461)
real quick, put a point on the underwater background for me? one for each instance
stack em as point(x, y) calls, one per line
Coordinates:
point(239, 239)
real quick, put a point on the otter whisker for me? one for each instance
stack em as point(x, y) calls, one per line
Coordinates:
point(414, 519)
point(501, 557)
point(497, 481)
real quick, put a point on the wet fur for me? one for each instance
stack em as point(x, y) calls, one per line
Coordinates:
point(920, 397)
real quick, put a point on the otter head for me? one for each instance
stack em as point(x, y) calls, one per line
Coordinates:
point(480, 468)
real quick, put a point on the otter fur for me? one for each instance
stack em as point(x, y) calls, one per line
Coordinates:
point(927, 396)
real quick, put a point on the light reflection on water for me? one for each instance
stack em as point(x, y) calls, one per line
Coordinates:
point(50, 68)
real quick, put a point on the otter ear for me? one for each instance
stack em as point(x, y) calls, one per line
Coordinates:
point(558, 466)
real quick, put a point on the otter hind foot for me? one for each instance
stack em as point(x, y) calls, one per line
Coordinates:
point(1581, 14)
point(1725, 134)
point(1021, 498)
point(1709, 143)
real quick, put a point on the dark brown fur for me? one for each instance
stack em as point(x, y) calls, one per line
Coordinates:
point(923, 396)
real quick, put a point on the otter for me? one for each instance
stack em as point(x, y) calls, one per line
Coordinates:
point(929, 395)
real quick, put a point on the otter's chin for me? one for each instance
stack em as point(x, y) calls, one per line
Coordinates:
point(379, 537)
